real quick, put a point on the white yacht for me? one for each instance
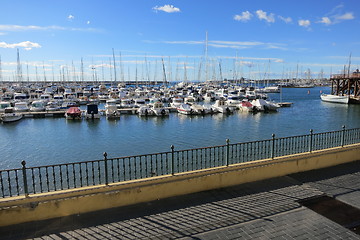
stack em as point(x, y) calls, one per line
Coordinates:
point(111, 111)
point(10, 115)
point(263, 105)
point(37, 106)
point(222, 106)
point(52, 106)
point(185, 108)
point(334, 98)
point(145, 111)
point(21, 107)
point(176, 102)
point(159, 109)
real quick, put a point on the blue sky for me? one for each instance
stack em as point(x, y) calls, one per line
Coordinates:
point(254, 39)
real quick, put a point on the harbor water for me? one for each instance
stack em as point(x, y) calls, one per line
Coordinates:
point(47, 141)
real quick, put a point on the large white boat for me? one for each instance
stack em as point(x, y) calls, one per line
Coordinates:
point(263, 105)
point(21, 107)
point(111, 111)
point(52, 106)
point(222, 106)
point(10, 116)
point(185, 109)
point(334, 98)
point(145, 111)
point(159, 109)
point(37, 106)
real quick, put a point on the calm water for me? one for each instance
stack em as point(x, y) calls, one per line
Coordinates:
point(57, 140)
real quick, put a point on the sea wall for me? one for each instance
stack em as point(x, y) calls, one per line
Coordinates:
point(88, 199)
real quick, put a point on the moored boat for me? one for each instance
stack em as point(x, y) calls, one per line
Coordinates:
point(334, 98)
point(10, 115)
point(73, 113)
point(92, 111)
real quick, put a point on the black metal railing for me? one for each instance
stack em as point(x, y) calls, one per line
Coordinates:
point(32, 180)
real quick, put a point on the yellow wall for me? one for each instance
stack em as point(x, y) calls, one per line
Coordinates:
point(63, 203)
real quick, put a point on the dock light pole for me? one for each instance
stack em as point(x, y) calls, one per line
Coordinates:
point(26, 190)
point(311, 140)
point(172, 160)
point(106, 169)
point(227, 151)
point(273, 146)
point(343, 136)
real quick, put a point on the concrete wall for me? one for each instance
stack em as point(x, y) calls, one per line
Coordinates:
point(63, 203)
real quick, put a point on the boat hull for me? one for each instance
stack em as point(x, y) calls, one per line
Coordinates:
point(11, 117)
point(334, 98)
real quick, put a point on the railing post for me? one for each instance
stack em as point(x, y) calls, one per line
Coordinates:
point(273, 146)
point(106, 169)
point(311, 140)
point(172, 160)
point(227, 152)
point(26, 190)
point(343, 136)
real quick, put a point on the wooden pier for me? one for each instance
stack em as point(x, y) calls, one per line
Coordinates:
point(346, 84)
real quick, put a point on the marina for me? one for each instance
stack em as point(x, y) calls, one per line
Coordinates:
point(48, 138)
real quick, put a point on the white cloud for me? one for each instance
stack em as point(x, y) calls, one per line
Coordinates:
point(325, 20)
point(346, 16)
point(304, 23)
point(337, 18)
point(286, 20)
point(264, 16)
point(18, 28)
point(27, 45)
point(70, 17)
point(233, 44)
point(244, 17)
point(88, 22)
point(167, 8)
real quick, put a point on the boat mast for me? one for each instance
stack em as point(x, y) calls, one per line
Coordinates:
point(206, 56)
point(164, 72)
point(121, 69)
point(1, 78)
point(82, 70)
point(349, 65)
point(102, 72)
point(44, 72)
point(19, 69)
point(110, 70)
point(136, 74)
point(114, 66)
point(27, 71)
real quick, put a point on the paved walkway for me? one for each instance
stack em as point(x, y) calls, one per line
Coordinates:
point(267, 209)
